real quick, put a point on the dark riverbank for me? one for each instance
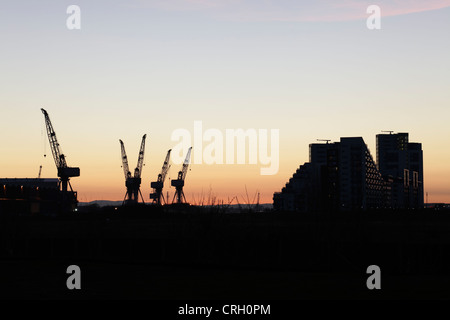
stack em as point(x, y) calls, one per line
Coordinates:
point(208, 253)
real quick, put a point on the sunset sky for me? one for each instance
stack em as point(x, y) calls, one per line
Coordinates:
point(311, 69)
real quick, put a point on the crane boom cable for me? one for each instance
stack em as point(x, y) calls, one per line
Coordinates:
point(59, 158)
point(68, 200)
point(179, 183)
point(186, 164)
point(165, 167)
point(158, 185)
point(133, 183)
point(126, 170)
point(138, 170)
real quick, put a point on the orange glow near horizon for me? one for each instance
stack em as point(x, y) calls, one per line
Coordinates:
point(102, 177)
point(221, 182)
point(153, 68)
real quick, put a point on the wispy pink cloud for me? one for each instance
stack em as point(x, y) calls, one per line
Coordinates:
point(296, 10)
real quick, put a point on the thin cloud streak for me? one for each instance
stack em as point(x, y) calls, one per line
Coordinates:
point(291, 10)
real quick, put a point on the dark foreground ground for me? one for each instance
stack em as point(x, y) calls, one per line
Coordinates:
point(205, 254)
point(34, 279)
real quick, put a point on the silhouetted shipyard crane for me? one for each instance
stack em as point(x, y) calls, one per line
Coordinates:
point(133, 183)
point(179, 183)
point(159, 185)
point(64, 172)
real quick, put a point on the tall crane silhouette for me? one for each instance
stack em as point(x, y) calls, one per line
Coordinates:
point(64, 171)
point(133, 183)
point(179, 182)
point(159, 184)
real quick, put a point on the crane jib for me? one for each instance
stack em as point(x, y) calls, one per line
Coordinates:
point(64, 171)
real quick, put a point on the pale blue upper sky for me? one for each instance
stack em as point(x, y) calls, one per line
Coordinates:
point(312, 70)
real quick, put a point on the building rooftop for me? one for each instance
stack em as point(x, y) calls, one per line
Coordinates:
point(30, 182)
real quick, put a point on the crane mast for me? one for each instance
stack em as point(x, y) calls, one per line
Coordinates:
point(64, 172)
point(159, 184)
point(179, 182)
point(126, 170)
point(185, 165)
point(133, 183)
point(138, 170)
point(165, 168)
point(59, 158)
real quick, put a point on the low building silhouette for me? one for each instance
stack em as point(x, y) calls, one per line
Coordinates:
point(31, 196)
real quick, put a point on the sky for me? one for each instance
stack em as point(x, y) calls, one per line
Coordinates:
point(310, 69)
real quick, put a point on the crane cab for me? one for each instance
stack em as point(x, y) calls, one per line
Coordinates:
point(177, 183)
point(68, 172)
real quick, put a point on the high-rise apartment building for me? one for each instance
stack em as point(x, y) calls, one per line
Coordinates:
point(401, 164)
point(339, 176)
